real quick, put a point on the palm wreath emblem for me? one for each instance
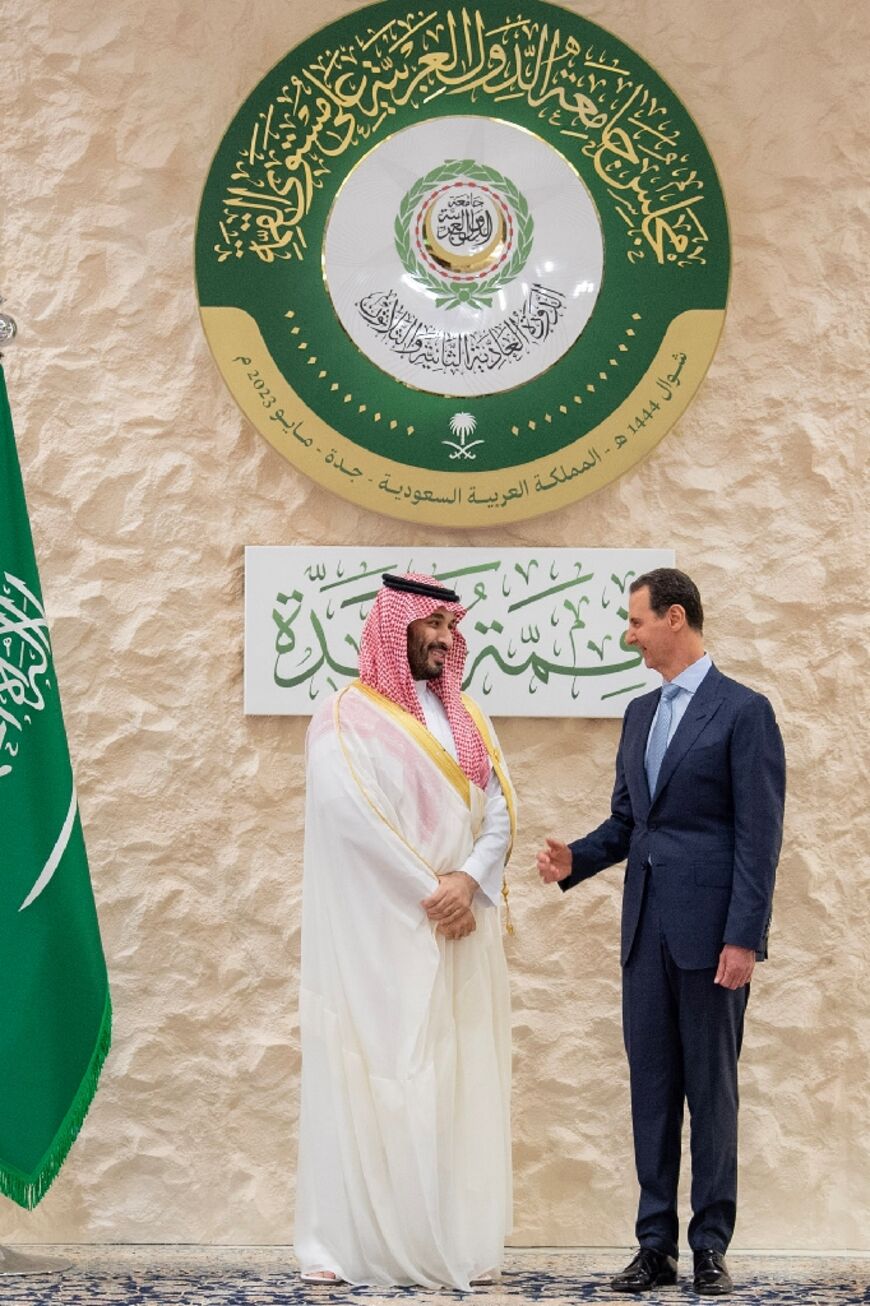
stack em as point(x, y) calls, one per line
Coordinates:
point(463, 425)
point(476, 290)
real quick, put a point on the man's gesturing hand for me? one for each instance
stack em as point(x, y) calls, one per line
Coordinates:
point(554, 862)
point(451, 901)
point(735, 966)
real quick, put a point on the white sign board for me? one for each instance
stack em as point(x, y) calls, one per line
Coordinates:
point(545, 627)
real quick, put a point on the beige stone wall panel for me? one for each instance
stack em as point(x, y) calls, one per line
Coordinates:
point(145, 484)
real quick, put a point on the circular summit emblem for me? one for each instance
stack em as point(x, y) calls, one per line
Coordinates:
point(465, 265)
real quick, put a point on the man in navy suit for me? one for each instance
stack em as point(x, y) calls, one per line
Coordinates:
point(697, 811)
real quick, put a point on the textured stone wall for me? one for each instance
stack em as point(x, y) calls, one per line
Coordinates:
point(145, 484)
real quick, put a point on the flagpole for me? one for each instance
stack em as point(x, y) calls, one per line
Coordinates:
point(14, 1262)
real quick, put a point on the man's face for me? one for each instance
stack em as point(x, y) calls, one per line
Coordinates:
point(654, 636)
point(430, 639)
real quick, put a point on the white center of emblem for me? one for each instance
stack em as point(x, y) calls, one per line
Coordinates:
point(463, 256)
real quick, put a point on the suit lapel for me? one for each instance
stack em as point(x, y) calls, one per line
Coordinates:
point(634, 763)
point(705, 703)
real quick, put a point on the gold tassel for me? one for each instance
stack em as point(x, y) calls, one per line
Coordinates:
point(506, 893)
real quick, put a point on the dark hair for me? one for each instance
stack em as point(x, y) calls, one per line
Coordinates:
point(668, 586)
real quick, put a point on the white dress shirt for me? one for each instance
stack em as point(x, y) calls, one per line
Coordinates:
point(486, 863)
point(688, 681)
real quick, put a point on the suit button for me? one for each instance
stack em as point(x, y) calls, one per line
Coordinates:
point(652, 827)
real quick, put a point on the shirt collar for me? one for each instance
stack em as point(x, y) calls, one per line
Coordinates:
point(691, 678)
point(426, 694)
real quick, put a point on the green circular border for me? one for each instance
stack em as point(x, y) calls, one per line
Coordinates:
point(631, 141)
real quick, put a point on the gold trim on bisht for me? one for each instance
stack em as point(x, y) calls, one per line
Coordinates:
point(479, 719)
point(449, 768)
point(423, 736)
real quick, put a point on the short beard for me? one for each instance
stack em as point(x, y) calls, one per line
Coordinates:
point(426, 673)
point(419, 664)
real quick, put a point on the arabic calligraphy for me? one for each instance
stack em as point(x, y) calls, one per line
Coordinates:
point(408, 217)
point(25, 662)
point(415, 495)
point(464, 197)
point(546, 637)
point(465, 222)
point(671, 381)
point(463, 352)
point(560, 475)
point(603, 112)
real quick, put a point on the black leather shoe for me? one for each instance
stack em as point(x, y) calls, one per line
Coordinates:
point(711, 1274)
point(649, 1269)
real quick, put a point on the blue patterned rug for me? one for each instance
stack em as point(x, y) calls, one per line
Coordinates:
point(163, 1276)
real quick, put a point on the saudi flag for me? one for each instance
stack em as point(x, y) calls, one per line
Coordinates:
point(55, 1013)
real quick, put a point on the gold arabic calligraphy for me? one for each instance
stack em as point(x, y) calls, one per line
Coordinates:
point(342, 100)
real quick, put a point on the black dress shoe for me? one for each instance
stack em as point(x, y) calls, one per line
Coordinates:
point(711, 1274)
point(649, 1269)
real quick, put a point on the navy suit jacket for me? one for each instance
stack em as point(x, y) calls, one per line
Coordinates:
point(709, 836)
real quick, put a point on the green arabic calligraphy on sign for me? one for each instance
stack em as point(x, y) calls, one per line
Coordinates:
point(462, 211)
point(545, 628)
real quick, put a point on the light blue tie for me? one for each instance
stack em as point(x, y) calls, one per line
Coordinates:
point(658, 742)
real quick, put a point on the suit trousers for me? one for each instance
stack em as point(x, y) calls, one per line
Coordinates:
point(683, 1035)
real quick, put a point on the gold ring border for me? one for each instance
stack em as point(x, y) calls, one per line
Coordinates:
point(463, 262)
point(231, 332)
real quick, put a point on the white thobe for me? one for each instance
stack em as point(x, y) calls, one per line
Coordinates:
point(404, 1172)
point(485, 863)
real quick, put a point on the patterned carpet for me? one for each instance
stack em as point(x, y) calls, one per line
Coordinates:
point(265, 1276)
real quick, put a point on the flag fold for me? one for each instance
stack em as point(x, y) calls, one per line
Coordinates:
point(55, 1007)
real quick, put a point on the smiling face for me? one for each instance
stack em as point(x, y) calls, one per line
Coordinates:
point(657, 637)
point(430, 639)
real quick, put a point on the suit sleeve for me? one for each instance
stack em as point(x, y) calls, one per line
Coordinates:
point(758, 787)
point(610, 842)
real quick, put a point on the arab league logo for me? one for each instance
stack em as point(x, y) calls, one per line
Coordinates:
point(464, 231)
point(464, 266)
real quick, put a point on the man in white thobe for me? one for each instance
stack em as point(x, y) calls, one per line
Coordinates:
point(404, 1149)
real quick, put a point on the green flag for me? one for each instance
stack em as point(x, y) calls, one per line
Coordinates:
point(55, 1011)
